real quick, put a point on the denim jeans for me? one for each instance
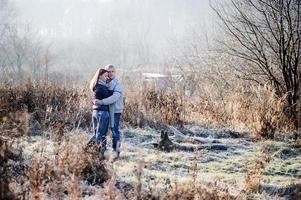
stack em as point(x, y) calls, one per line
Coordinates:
point(116, 133)
point(100, 121)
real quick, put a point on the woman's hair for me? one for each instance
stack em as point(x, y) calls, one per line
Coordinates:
point(95, 79)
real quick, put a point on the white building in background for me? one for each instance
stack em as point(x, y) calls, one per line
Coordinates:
point(160, 81)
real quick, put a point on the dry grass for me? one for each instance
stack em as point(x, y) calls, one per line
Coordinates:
point(6, 177)
point(58, 172)
point(211, 191)
point(253, 178)
point(60, 167)
point(49, 110)
point(256, 110)
point(154, 108)
point(163, 106)
point(260, 110)
point(45, 105)
point(151, 186)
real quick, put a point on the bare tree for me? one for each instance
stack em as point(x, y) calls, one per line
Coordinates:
point(17, 48)
point(7, 16)
point(39, 59)
point(267, 35)
point(20, 47)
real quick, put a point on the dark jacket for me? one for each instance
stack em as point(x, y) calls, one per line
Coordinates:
point(101, 92)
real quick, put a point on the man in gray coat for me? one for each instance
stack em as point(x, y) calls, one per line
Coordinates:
point(116, 106)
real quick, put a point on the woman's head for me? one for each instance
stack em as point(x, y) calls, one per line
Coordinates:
point(101, 74)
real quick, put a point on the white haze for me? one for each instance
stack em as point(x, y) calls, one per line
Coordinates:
point(129, 33)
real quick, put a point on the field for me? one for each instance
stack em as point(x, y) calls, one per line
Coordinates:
point(211, 90)
point(45, 129)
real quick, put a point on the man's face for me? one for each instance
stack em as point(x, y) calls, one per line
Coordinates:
point(111, 72)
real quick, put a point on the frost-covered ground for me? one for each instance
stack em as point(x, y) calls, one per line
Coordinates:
point(229, 164)
point(221, 157)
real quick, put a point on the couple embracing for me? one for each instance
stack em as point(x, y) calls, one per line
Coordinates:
point(107, 107)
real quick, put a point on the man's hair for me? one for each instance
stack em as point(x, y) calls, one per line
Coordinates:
point(109, 66)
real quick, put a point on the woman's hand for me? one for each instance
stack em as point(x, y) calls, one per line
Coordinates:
point(97, 102)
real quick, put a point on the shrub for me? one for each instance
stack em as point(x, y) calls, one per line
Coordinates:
point(46, 103)
point(164, 106)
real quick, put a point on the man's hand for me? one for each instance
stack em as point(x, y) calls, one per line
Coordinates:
point(97, 102)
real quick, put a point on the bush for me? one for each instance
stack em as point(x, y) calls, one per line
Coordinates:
point(47, 104)
point(164, 106)
point(260, 110)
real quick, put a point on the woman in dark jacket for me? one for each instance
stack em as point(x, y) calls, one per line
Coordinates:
point(100, 114)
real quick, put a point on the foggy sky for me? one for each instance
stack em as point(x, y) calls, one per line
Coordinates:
point(124, 32)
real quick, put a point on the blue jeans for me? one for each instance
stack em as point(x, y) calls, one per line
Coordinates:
point(116, 133)
point(100, 121)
